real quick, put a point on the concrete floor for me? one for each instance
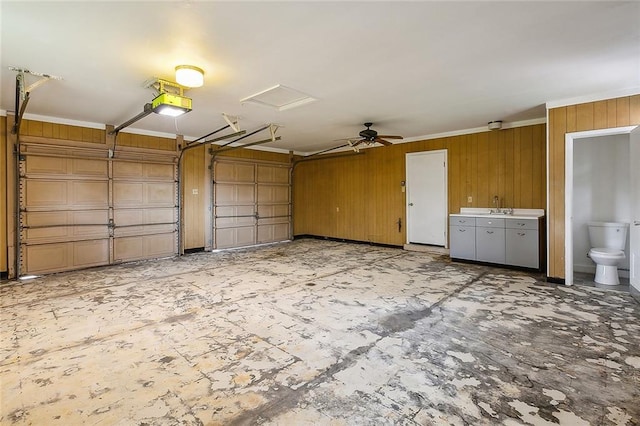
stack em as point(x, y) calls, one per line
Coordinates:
point(316, 332)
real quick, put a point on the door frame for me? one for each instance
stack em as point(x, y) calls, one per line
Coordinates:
point(570, 139)
point(446, 192)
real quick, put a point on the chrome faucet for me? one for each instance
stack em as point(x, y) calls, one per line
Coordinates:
point(496, 202)
point(497, 209)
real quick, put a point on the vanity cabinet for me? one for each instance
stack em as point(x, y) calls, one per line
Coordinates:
point(462, 238)
point(490, 240)
point(522, 243)
point(505, 241)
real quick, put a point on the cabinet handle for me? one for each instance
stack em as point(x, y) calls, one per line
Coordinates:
point(521, 224)
point(462, 230)
point(522, 234)
point(489, 232)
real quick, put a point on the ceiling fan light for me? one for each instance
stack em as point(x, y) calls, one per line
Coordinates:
point(189, 76)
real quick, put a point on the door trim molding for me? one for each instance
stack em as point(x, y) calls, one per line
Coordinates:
point(446, 191)
point(570, 139)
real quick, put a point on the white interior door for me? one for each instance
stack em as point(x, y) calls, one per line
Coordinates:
point(634, 229)
point(427, 197)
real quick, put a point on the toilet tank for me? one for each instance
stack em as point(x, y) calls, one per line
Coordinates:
point(611, 235)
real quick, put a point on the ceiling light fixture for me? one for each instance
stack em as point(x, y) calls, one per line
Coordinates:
point(495, 125)
point(189, 76)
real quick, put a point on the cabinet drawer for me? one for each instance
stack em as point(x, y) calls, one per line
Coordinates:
point(522, 224)
point(489, 222)
point(462, 221)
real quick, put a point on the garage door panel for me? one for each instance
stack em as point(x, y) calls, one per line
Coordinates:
point(160, 194)
point(90, 253)
point(45, 165)
point(273, 193)
point(89, 194)
point(273, 232)
point(126, 169)
point(142, 194)
point(57, 257)
point(143, 171)
point(232, 194)
point(142, 230)
point(226, 222)
point(273, 174)
point(234, 172)
point(233, 216)
point(273, 210)
point(227, 211)
point(59, 167)
point(65, 194)
point(159, 171)
point(127, 217)
point(144, 247)
point(127, 194)
point(235, 237)
point(63, 233)
point(56, 218)
point(92, 168)
point(46, 194)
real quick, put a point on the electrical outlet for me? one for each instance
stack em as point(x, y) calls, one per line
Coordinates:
point(469, 199)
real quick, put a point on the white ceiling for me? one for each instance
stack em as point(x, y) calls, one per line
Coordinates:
point(412, 68)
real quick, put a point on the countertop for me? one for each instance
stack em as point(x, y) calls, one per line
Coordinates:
point(486, 212)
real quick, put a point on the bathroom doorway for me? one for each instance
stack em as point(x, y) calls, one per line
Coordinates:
point(598, 187)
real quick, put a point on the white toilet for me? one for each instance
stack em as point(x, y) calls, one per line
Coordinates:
point(608, 240)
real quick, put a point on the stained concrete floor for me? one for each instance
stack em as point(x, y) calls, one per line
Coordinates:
point(316, 332)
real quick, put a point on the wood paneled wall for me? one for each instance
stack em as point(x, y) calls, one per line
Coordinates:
point(195, 198)
point(359, 197)
point(85, 134)
point(604, 114)
point(253, 154)
point(3, 194)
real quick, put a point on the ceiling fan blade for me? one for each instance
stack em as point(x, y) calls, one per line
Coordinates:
point(356, 143)
point(382, 141)
point(390, 137)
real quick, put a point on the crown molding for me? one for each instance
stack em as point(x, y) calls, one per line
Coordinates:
point(630, 91)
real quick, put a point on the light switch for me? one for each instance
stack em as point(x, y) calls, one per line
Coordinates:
point(469, 199)
point(194, 191)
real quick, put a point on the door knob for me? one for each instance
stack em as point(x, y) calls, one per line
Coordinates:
point(410, 204)
point(636, 223)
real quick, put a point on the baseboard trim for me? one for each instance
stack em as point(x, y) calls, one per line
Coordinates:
point(343, 240)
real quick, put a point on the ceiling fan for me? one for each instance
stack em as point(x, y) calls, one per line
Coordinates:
point(370, 136)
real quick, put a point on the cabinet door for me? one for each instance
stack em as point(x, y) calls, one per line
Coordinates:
point(462, 242)
point(490, 245)
point(522, 248)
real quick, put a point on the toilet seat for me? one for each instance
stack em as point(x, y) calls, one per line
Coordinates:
point(607, 253)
